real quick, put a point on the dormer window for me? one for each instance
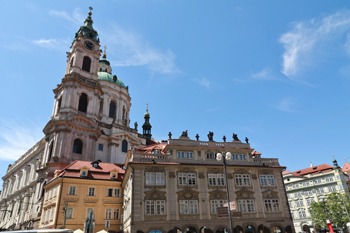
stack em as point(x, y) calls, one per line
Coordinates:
point(84, 171)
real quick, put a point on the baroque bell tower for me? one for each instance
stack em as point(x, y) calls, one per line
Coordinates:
point(72, 132)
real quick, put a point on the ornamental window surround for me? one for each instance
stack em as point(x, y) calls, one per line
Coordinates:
point(188, 206)
point(187, 179)
point(309, 201)
point(242, 180)
point(246, 206)
point(332, 188)
point(214, 204)
point(308, 192)
point(302, 213)
point(216, 179)
point(272, 205)
point(185, 155)
point(239, 157)
point(155, 178)
point(300, 203)
point(319, 190)
point(113, 192)
point(91, 191)
point(210, 155)
point(267, 180)
point(72, 190)
point(317, 181)
point(329, 179)
point(69, 214)
point(155, 207)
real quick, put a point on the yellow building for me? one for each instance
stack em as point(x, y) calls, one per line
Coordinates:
point(80, 188)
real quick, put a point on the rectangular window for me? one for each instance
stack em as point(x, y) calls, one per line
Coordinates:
point(51, 192)
point(210, 155)
point(295, 186)
point(69, 214)
point(246, 206)
point(47, 215)
point(319, 190)
point(108, 213)
point(216, 179)
point(55, 194)
point(329, 179)
point(185, 155)
point(155, 178)
point(72, 190)
point(117, 192)
point(242, 180)
point(305, 184)
point(239, 157)
point(291, 204)
point(115, 213)
point(100, 147)
point(297, 194)
point(46, 196)
point(51, 216)
point(272, 206)
point(267, 180)
point(308, 193)
point(300, 203)
point(214, 204)
point(332, 188)
point(309, 201)
point(242, 157)
point(91, 191)
point(155, 207)
point(318, 181)
point(188, 207)
point(109, 192)
point(187, 178)
point(43, 219)
point(302, 213)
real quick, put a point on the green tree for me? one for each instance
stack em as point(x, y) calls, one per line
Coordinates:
point(333, 208)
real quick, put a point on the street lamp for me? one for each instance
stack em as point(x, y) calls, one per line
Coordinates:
point(220, 157)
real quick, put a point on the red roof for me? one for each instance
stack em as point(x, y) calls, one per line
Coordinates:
point(286, 172)
point(256, 153)
point(346, 167)
point(101, 172)
point(313, 170)
point(150, 148)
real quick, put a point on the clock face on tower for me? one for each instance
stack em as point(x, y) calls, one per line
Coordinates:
point(89, 45)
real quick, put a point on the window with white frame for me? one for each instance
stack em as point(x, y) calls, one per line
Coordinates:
point(246, 206)
point(242, 180)
point(291, 204)
point(214, 204)
point(239, 157)
point(188, 207)
point(155, 178)
point(72, 190)
point(308, 192)
point(319, 190)
point(69, 214)
point(216, 179)
point(55, 194)
point(297, 194)
point(295, 186)
point(108, 213)
point(44, 215)
point(267, 180)
point(113, 192)
point(117, 192)
point(91, 191)
point(185, 155)
point(156, 207)
point(210, 155)
point(305, 184)
point(329, 179)
point(317, 181)
point(289, 195)
point(272, 205)
point(115, 213)
point(309, 201)
point(51, 192)
point(332, 188)
point(47, 215)
point(302, 213)
point(52, 211)
point(187, 178)
point(300, 203)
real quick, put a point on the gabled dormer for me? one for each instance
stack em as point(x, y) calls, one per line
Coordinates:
point(84, 172)
point(95, 164)
point(114, 174)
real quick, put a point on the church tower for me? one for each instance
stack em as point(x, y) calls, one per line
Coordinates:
point(72, 131)
point(147, 126)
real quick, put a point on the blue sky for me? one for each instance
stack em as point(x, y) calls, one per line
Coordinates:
point(277, 72)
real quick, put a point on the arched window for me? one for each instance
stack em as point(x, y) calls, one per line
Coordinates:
point(71, 62)
point(50, 151)
point(78, 146)
point(83, 102)
point(86, 63)
point(276, 229)
point(59, 105)
point(112, 109)
point(124, 146)
point(100, 69)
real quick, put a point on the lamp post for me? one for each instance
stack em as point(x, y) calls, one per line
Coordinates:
point(223, 157)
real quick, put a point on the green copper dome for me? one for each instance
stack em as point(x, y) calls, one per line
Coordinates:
point(112, 78)
point(87, 30)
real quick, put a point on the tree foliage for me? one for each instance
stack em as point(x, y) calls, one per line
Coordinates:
point(332, 208)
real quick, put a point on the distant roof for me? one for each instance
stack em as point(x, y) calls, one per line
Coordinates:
point(346, 167)
point(256, 153)
point(286, 172)
point(111, 78)
point(313, 170)
point(152, 147)
point(101, 172)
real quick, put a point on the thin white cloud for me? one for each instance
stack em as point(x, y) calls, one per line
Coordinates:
point(53, 43)
point(76, 17)
point(285, 104)
point(205, 82)
point(305, 36)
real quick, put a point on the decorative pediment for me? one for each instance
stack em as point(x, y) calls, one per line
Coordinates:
point(155, 169)
point(241, 171)
point(186, 169)
point(265, 171)
point(217, 195)
point(244, 193)
point(125, 135)
point(215, 170)
point(172, 175)
point(155, 194)
point(187, 194)
point(270, 194)
point(82, 121)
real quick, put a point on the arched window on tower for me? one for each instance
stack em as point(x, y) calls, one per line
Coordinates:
point(59, 105)
point(83, 102)
point(78, 146)
point(86, 63)
point(124, 146)
point(71, 62)
point(112, 109)
point(50, 151)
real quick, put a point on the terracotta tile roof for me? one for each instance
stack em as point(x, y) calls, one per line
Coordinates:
point(313, 170)
point(101, 172)
point(346, 167)
point(256, 153)
point(150, 148)
point(286, 172)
